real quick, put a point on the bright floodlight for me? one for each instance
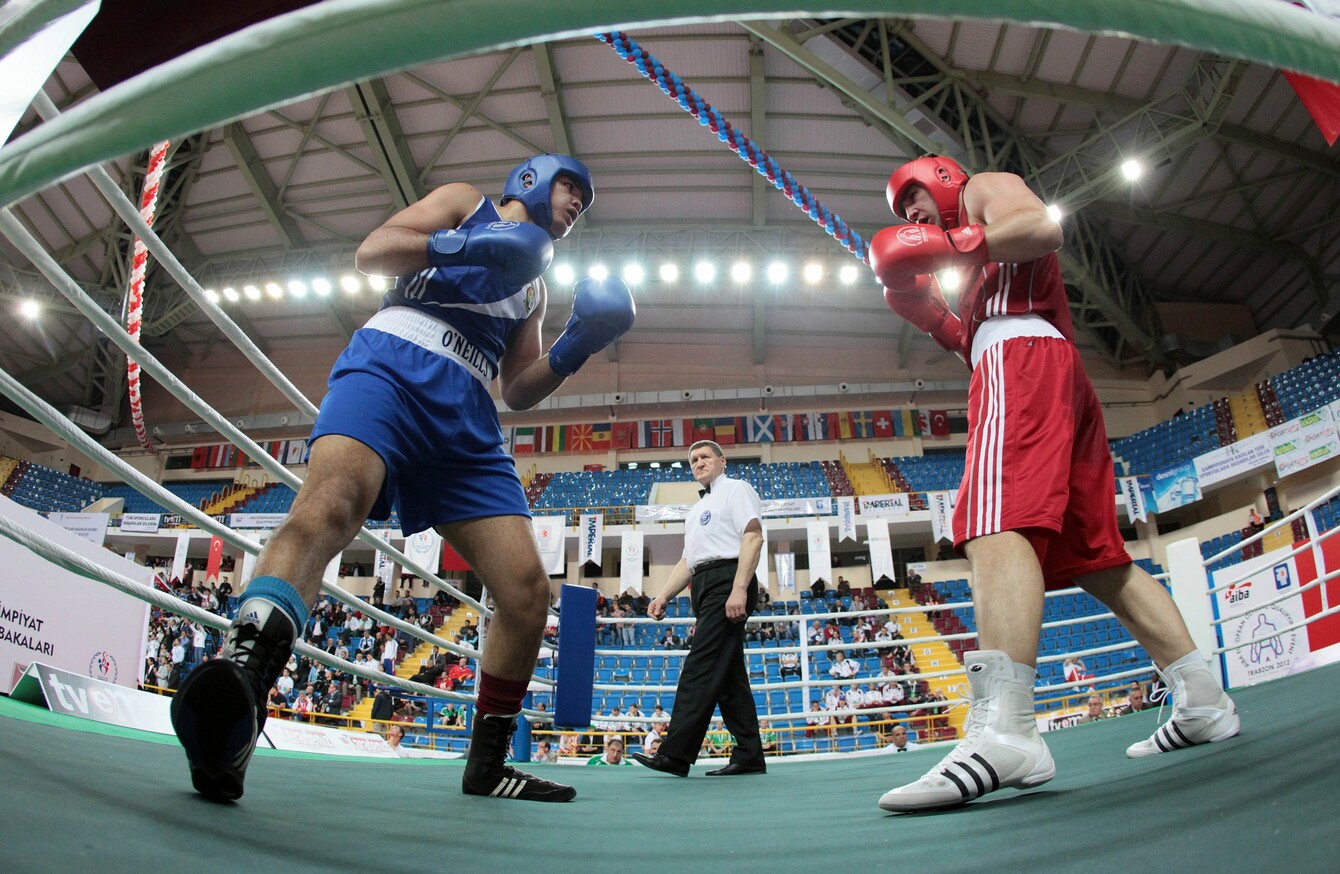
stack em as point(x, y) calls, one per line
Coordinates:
point(252, 292)
point(669, 272)
point(30, 309)
point(598, 272)
point(297, 288)
point(1054, 212)
point(813, 272)
point(378, 283)
point(564, 274)
point(740, 271)
point(633, 274)
point(704, 271)
point(777, 272)
point(949, 280)
point(212, 296)
point(321, 285)
point(230, 294)
point(1131, 169)
point(847, 275)
point(350, 283)
point(274, 289)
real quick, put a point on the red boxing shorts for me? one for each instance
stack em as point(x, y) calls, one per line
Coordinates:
point(1038, 460)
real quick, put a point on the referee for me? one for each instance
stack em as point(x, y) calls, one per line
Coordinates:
point(723, 538)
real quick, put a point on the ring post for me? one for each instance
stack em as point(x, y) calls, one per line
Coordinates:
point(576, 657)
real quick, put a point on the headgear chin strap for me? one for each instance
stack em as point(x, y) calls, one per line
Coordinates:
point(942, 178)
point(532, 182)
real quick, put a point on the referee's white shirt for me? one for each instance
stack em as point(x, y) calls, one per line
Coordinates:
point(716, 524)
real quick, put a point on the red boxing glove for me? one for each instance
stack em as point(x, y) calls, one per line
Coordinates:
point(924, 307)
point(900, 252)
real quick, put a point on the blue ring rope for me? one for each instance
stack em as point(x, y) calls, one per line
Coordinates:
point(749, 151)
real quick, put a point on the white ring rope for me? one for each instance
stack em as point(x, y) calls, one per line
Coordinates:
point(71, 561)
point(33, 250)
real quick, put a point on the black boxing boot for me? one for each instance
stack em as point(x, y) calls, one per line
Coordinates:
point(219, 711)
point(487, 771)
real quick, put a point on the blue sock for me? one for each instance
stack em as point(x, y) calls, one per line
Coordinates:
point(283, 595)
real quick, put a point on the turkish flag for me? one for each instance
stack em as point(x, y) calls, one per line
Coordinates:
point(1322, 101)
point(451, 559)
point(939, 423)
point(215, 559)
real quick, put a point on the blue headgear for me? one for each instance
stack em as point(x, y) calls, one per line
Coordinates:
point(532, 181)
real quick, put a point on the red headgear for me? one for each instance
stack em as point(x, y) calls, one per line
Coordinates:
point(942, 178)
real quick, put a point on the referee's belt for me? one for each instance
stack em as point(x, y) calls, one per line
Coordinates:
point(713, 565)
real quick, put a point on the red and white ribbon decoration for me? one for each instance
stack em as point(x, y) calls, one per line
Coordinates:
point(134, 312)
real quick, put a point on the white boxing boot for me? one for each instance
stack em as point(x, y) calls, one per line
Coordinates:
point(1001, 747)
point(1202, 711)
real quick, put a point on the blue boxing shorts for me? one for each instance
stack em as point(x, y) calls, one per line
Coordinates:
point(434, 425)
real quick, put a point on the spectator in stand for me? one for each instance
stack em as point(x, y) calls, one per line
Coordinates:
point(843, 587)
point(717, 741)
point(613, 754)
point(671, 639)
point(302, 707)
point(818, 587)
point(767, 736)
point(843, 668)
point(390, 649)
point(790, 665)
point(276, 701)
point(544, 752)
point(1135, 701)
point(163, 674)
point(1095, 711)
point(659, 719)
point(383, 708)
point(1075, 670)
point(816, 634)
point(285, 684)
point(817, 722)
point(914, 585)
point(898, 741)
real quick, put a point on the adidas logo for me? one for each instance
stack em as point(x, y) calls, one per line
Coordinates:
point(252, 618)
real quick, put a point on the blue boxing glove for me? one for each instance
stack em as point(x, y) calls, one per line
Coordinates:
point(602, 311)
point(520, 252)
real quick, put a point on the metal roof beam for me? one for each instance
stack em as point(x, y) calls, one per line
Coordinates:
point(266, 194)
point(376, 114)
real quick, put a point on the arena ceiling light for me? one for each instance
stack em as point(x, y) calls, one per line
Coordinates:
point(669, 272)
point(230, 294)
point(350, 283)
point(598, 272)
point(252, 292)
point(212, 296)
point(777, 273)
point(274, 289)
point(633, 273)
point(564, 274)
point(812, 272)
point(740, 271)
point(30, 309)
point(1131, 169)
point(847, 275)
point(704, 271)
point(321, 286)
point(297, 288)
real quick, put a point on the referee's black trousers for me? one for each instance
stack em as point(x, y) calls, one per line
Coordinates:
point(714, 675)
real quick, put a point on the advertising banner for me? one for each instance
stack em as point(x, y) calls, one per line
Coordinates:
point(63, 619)
point(591, 532)
point(90, 526)
point(1175, 487)
point(884, 505)
point(1305, 441)
point(820, 551)
point(550, 535)
point(846, 519)
point(1269, 652)
point(881, 554)
point(256, 520)
point(1234, 460)
point(140, 523)
point(630, 562)
point(942, 515)
point(786, 573)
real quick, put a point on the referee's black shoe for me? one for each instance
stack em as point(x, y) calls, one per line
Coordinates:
point(735, 768)
point(664, 764)
point(219, 711)
point(487, 771)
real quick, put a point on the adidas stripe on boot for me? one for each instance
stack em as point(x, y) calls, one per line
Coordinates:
point(487, 771)
point(1001, 747)
point(1202, 711)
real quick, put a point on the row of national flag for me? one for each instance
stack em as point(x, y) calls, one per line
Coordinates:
point(727, 430)
point(227, 455)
